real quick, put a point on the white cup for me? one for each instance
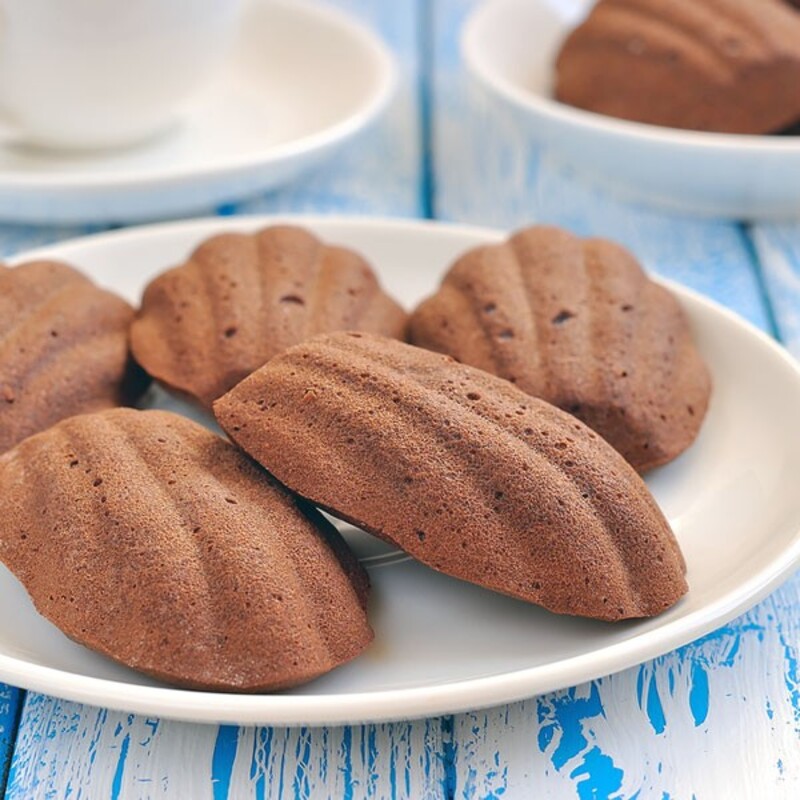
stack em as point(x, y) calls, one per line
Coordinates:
point(105, 73)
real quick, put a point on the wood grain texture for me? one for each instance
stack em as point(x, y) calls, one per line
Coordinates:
point(778, 249)
point(10, 702)
point(718, 718)
point(69, 750)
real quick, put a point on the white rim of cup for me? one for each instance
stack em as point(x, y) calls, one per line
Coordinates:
point(386, 83)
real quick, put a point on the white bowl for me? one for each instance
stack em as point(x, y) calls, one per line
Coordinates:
point(510, 47)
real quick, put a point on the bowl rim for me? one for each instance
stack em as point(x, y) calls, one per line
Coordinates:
point(480, 66)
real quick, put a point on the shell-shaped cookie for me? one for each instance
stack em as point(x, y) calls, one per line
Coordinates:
point(579, 324)
point(462, 470)
point(149, 539)
point(63, 348)
point(719, 65)
point(242, 298)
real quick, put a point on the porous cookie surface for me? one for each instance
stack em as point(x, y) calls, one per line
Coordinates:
point(731, 66)
point(63, 348)
point(579, 324)
point(242, 298)
point(462, 470)
point(151, 540)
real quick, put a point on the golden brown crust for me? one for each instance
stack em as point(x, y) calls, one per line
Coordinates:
point(577, 323)
point(151, 540)
point(242, 298)
point(718, 65)
point(63, 349)
point(462, 470)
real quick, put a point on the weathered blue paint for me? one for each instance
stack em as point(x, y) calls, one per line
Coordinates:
point(346, 759)
point(301, 785)
point(116, 786)
point(393, 773)
point(448, 758)
point(373, 757)
point(698, 693)
point(153, 724)
point(791, 673)
point(225, 748)
point(324, 764)
point(655, 709)
point(648, 698)
point(561, 717)
point(262, 746)
point(640, 685)
point(282, 773)
point(96, 733)
point(10, 707)
point(778, 248)
point(407, 779)
point(597, 777)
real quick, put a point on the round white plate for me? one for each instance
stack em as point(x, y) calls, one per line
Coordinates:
point(442, 645)
point(301, 80)
point(510, 47)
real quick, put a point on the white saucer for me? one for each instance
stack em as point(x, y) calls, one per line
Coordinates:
point(510, 47)
point(442, 645)
point(302, 79)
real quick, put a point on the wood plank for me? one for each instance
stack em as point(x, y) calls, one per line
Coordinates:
point(720, 717)
point(66, 749)
point(10, 702)
point(778, 249)
point(69, 750)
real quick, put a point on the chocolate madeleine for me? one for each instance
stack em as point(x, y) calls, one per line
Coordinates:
point(731, 66)
point(63, 349)
point(242, 298)
point(462, 470)
point(149, 539)
point(578, 323)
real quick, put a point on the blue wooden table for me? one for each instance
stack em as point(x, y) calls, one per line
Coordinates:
point(719, 718)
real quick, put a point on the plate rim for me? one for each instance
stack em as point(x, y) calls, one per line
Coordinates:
point(594, 123)
point(386, 74)
point(415, 702)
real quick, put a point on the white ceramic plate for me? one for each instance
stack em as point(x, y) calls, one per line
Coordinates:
point(442, 645)
point(301, 80)
point(510, 47)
